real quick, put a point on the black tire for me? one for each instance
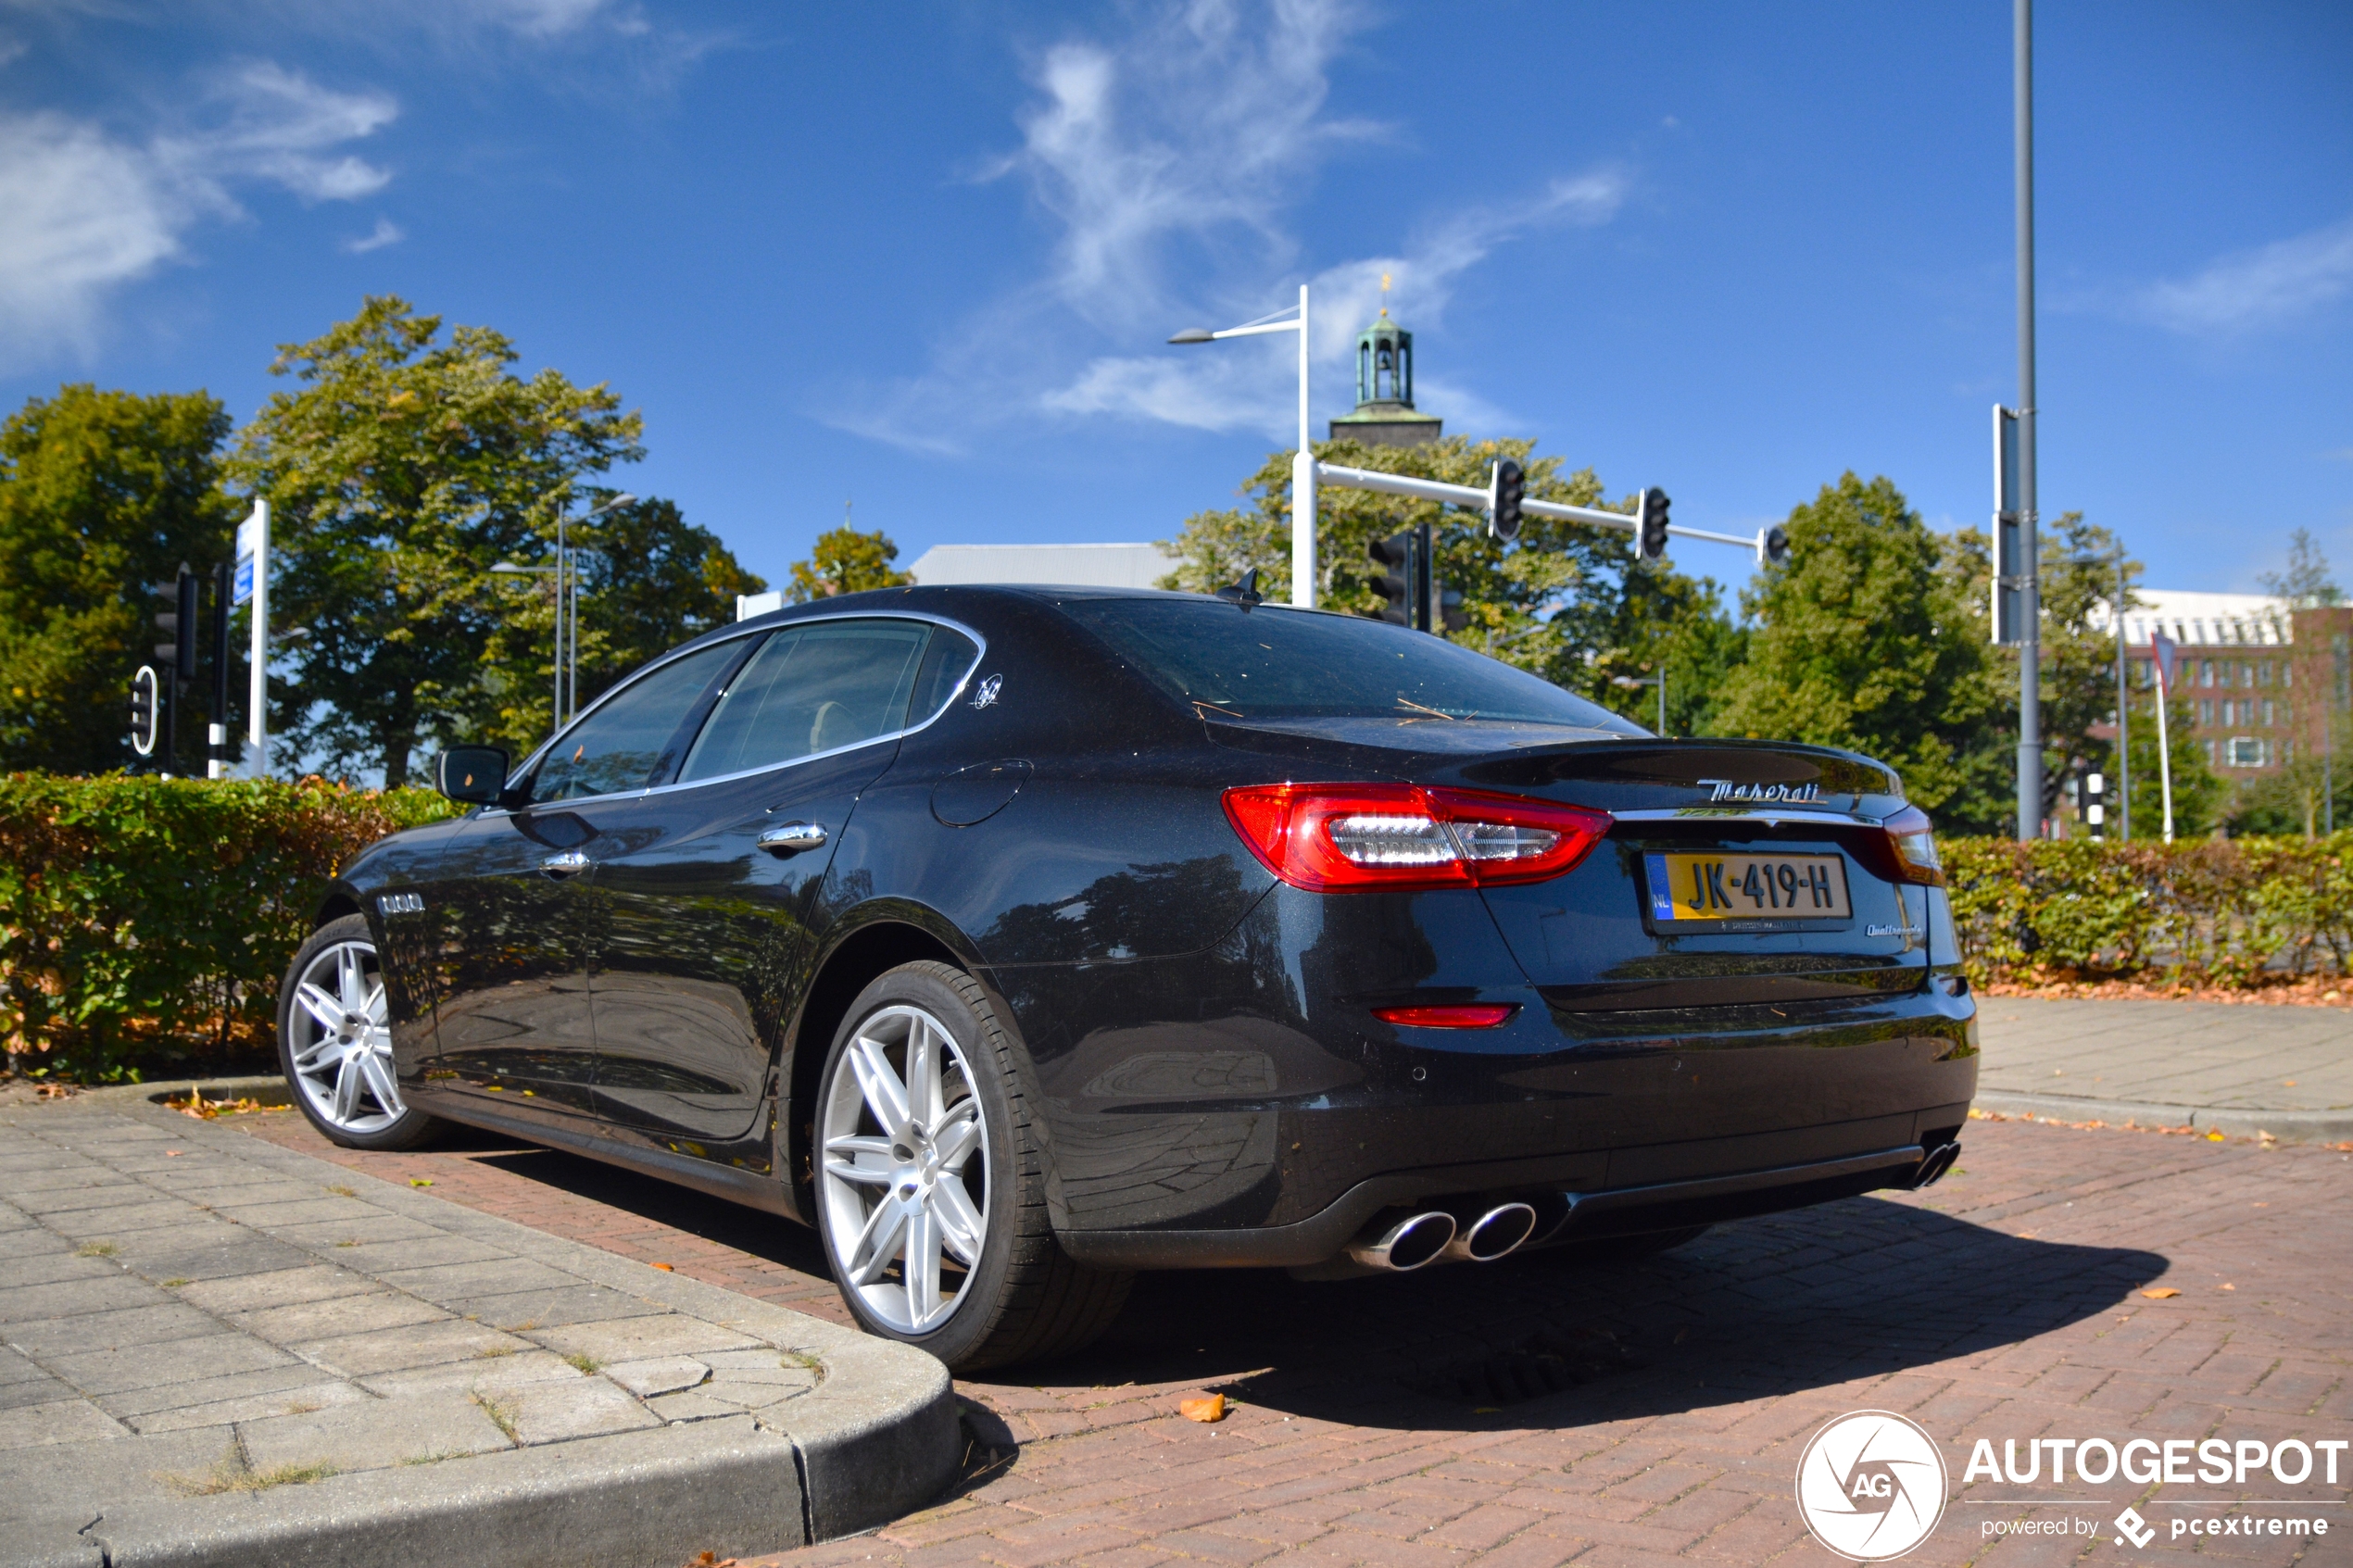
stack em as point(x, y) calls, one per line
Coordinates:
point(1021, 1299)
point(371, 1123)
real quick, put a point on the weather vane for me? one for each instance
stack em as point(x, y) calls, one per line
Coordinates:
point(1384, 294)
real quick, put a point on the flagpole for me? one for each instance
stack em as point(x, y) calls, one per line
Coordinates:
point(2159, 659)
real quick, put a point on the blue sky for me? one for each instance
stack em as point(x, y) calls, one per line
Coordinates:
point(926, 257)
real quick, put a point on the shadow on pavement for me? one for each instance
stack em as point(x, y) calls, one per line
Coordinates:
point(1765, 1307)
point(1759, 1307)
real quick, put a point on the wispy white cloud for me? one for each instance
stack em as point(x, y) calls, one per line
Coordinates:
point(2271, 286)
point(386, 232)
point(1173, 160)
point(88, 211)
point(1234, 387)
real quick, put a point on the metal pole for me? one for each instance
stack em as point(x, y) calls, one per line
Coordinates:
point(2164, 742)
point(216, 764)
point(1662, 697)
point(258, 699)
point(557, 657)
point(1303, 485)
point(2030, 648)
point(2123, 742)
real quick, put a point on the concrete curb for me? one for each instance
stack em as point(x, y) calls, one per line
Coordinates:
point(875, 1440)
point(2286, 1126)
point(636, 1500)
point(269, 1088)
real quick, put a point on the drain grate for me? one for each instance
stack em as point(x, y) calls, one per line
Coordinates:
point(1548, 1363)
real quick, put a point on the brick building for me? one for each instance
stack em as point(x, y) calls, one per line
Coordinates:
point(2257, 675)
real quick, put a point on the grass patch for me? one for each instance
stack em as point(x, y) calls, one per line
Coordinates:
point(96, 1250)
point(434, 1458)
point(586, 1362)
point(501, 1414)
point(173, 1284)
point(340, 1190)
point(232, 1476)
point(346, 1244)
point(494, 1353)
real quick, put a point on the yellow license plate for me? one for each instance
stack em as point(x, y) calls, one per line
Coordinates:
point(1693, 889)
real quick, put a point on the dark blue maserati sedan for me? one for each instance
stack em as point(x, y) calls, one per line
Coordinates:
point(1019, 939)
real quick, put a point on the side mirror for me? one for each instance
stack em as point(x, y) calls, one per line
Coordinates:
point(476, 775)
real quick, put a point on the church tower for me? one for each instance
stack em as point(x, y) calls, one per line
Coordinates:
point(1385, 414)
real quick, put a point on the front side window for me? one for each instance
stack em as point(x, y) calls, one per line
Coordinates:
point(615, 747)
point(811, 688)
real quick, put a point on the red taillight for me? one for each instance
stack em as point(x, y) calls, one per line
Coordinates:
point(1346, 838)
point(1914, 847)
point(1458, 1015)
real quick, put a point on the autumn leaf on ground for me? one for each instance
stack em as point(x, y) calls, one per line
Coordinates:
point(2162, 1293)
point(1209, 1407)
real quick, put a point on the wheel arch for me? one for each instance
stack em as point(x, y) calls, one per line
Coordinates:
point(340, 902)
point(876, 944)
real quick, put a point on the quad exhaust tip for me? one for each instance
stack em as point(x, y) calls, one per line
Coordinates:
point(1409, 1244)
point(1932, 1169)
point(1493, 1235)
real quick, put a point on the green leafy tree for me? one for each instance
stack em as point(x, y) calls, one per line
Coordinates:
point(843, 560)
point(2305, 584)
point(1661, 620)
point(400, 471)
point(101, 493)
point(649, 581)
point(1861, 641)
point(2078, 583)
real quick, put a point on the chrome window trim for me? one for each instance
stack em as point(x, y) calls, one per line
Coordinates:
point(980, 655)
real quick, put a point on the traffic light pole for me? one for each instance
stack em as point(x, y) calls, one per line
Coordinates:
point(1341, 478)
point(2030, 641)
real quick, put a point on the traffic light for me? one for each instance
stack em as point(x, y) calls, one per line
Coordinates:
point(1651, 528)
point(1396, 582)
point(146, 709)
point(179, 623)
point(1450, 614)
point(1772, 545)
point(1506, 488)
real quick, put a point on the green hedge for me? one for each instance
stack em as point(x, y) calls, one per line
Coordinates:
point(145, 922)
point(2221, 911)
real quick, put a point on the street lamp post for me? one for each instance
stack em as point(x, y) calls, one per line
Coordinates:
point(1636, 682)
point(1303, 467)
point(566, 571)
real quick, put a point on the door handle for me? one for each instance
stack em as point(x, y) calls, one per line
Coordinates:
point(565, 864)
point(792, 838)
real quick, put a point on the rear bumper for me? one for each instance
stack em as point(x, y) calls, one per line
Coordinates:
point(1571, 1205)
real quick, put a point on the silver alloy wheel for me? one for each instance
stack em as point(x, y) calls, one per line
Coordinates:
point(341, 1040)
point(904, 1170)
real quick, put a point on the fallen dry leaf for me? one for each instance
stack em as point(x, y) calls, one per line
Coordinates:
point(1208, 1408)
point(2213, 1137)
point(2162, 1293)
point(667, 1268)
point(419, 1182)
point(2230, 1287)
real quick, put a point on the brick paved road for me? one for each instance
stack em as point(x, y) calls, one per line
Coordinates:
point(1546, 1410)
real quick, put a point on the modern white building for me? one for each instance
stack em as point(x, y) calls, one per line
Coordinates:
point(1092, 566)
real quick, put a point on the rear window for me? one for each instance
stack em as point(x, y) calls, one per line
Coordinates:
point(1277, 663)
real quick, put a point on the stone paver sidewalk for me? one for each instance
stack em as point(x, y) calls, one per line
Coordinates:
point(2240, 1070)
point(201, 1332)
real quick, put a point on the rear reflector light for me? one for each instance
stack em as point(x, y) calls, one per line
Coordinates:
point(1462, 1015)
point(1915, 847)
point(1341, 838)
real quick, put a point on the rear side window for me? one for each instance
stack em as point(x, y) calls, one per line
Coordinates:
point(811, 689)
point(615, 747)
point(946, 662)
point(1278, 663)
